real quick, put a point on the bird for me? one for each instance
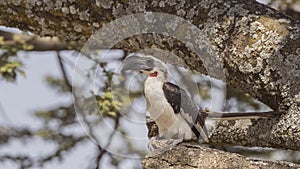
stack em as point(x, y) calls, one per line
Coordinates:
point(172, 109)
point(170, 106)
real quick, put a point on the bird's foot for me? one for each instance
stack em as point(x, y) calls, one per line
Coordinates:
point(159, 145)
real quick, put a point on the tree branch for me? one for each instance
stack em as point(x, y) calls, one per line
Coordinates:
point(246, 132)
point(192, 156)
point(258, 46)
point(35, 43)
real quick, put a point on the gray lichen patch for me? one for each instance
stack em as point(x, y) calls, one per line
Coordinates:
point(253, 44)
point(106, 4)
point(261, 39)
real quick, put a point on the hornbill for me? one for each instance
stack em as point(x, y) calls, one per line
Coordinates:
point(172, 109)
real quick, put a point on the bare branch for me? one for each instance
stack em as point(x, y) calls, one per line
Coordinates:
point(28, 42)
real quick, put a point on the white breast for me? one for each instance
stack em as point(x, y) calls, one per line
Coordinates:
point(169, 124)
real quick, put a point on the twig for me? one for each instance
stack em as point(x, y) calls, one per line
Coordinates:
point(4, 114)
point(102, 150)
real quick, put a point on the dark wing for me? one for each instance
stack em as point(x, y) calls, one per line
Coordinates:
point(172, 93)
point(178, 98)
point(193, 117)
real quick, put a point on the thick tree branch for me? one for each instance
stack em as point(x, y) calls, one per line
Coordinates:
point(233, 132)
point(258, 46)
point(246, 132)
point(192, 156)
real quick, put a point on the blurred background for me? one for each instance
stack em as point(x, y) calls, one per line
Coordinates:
point(43, 125)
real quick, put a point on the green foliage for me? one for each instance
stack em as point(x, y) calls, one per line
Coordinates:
point(104, 105)
point(62, 115)
point(15, 44)
point(108, 105)
point(57, 83)
point(9, 63)
point(9, 70)
point(63, 118)
point(204, 89)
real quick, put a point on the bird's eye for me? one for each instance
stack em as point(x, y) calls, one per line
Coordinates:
point(148, 69)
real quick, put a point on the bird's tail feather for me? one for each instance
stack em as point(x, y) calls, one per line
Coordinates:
point(238, 115)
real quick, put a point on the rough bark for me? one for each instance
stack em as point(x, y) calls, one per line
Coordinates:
point(192, 156)
point(251, 133)
point(258, 48)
